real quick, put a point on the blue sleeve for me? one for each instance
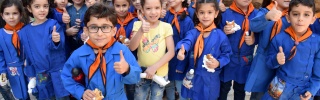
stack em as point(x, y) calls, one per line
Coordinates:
point(60, 45)
point(258, 23)
point(273, 50)
point(73, 87)
point(183, 63)
point(187, 42)
point(226, 51)
point(29, 69)
point(2, 61)
point(134, 75)
point(315, 78)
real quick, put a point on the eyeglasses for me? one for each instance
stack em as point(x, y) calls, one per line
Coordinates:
point(104, 29)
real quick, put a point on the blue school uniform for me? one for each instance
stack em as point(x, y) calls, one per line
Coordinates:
point(301, 73)
point(259, 75)
point(206, 84)
point(241, 59)
point(128, 27)
point(191, 10)
point(186, 24)
point(12, 65)
point(132, 9)
point(45, 58)
point(57, 16)
point(114, 90)
point(315, 27)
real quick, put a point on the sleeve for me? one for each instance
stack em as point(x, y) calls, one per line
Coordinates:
point(73, 87)
point(315, 78)
point(60, 45)
point(136, 26)
point(2, 61)
point(134, 75)
point(29, 69)
point(168, 29)
point(258, 23)
point(226, 51)
point(187, 42)
point(273, 50)
point(222, 22)
point(183, 64)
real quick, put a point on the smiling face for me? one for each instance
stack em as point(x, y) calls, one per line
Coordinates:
point(121, 7)
point(174, 3)
point(300, 18)
point(152, 10)
point(106, 30)
point(39, 10)
point(206, 14)
point(11, 15)
point(61, 3)
point(136, 4)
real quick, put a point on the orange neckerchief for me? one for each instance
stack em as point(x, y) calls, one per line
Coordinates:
point(293, 35)
point(245, 23)
point(135, 13)
point(175, 19)
point(199, 46)
point(317, 15)
point(100, 60)
point(59, 10)
point(278, 24)
point(125, 22)
point(15, 37)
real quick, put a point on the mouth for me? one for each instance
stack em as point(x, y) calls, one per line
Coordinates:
point(99, 40)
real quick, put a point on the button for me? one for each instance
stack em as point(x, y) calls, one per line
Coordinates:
point(306, 76)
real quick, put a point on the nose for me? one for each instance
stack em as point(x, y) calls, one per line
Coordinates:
point(62, 1)
point(137, 1)
point(11, 16)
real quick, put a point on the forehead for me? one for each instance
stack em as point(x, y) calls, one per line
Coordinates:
point(40, 2)
point(206, 6)
point(152, 3)
point(120, 1)
point(301, 8)
point(99, 21)
point(12, 8)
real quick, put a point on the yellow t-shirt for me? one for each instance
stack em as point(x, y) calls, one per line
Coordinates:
point(152, 46)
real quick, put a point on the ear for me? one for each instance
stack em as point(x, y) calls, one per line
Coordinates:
point(216, 14)
point(29, 9)
point(85, 30)
point(314, 19)
point(114, 31)
point(288, 18)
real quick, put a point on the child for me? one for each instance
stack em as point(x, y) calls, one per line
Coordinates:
point(240, 13)
point(118, 66)
point(205, 39)
point(10, 54)
point(192, 6)
point(125, 20)
point(60, 13)
point(269, 21)
point(181, 24)
point(153, 40)
point(136, 5)
point(43, 43)
point(295, 55)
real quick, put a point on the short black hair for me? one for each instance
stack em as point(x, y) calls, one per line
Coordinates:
point(144, 2)
point(308, 3)
point(100, 10)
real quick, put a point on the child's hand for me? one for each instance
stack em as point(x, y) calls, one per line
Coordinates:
point(212, 63)
point(306, 96)
point(150, 71)
point(178, 71)
point(274, 14)
point(78, 22)
point(84, 37)
point(181, 52)
point(55, 35)
point(281, 58)
point(145, 25)
point(228, 29)
point(249, 39)
point(65, 16)
point(122, 66)
point(72, 31)
point(164, 9)
point(126, 43)
point(88, 95)
point(222, 6)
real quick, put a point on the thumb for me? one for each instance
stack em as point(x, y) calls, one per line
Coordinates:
point(140, 16)
point(54, 28)
point(280, 49)
point(275, 5)
point(121, 55)
point(164, 5)
point(182, 47)
point(65, 11)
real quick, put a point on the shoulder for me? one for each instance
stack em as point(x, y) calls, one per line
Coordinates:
point(137, 23)
point(220, 33)
point(164, 24)
point(82, 51)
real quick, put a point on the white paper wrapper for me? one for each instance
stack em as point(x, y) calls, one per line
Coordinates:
point(31, 85)
point(205, 66)
point(159, 80)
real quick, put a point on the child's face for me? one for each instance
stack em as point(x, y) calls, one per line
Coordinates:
point(61, 3)
point(300, 18)
point(11, 15)
point(206, 14)
point(89, 3)
point(39, 9)
point(174, 3)
point(78, 2)
point(121, 7)
point(136, 4)
point(243, 3)
point(283, 4)
point(152, 10)
point(100, 31)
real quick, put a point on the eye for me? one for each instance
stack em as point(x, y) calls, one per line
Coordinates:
point(36, 6)
point(124, 5)
point(46, 6)
point(93, 27)
point(210, 12)
point(295, 14)
point(157, 7)
point(117, 6)
point(306, 15)
point(201, 12)
point(6, 13)
point(15, 13)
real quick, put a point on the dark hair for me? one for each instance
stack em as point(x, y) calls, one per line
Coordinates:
point(127, 1)
point(27, 3)
point(265, 3)
point(308, 3)
point(100, 10)
point(16, 3)
point(144, 2)
point(215, 6)
point(184, 5)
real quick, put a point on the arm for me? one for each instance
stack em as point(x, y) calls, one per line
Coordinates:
point(315, 77)
point(259, 22)
point(73, 87)
point(137, 34)
point(168, 56)
point(183, 64)
point(134, 69)
point(273, 50)
point(3, 65)
point(58, 45)
point(226, 51)
point(187, 42)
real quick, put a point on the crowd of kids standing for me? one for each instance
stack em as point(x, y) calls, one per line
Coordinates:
point(65, 50)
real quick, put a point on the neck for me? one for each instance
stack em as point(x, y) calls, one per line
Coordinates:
point(243, 8)
point(39, 21)
point(123, 17)
point(300, 34)
point(178, 8)
point(78, 6)
point(280, 8)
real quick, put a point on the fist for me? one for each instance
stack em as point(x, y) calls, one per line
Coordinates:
point(65, 16)
point(122, 66)
point(212, 63)
point(281, 58)
point(181, 52)
point(55, 35)
point(249, 39)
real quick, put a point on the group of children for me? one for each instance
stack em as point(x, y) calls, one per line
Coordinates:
point(90, 45)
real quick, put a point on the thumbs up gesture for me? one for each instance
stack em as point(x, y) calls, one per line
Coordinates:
point(249, 39)
point(281, 58)
point(65, 16)
point(212, 63)
point(55, 35)
point(164, 9)
point(145, 25)
point(122, 66)
point(274, 14)
point(181, 52)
